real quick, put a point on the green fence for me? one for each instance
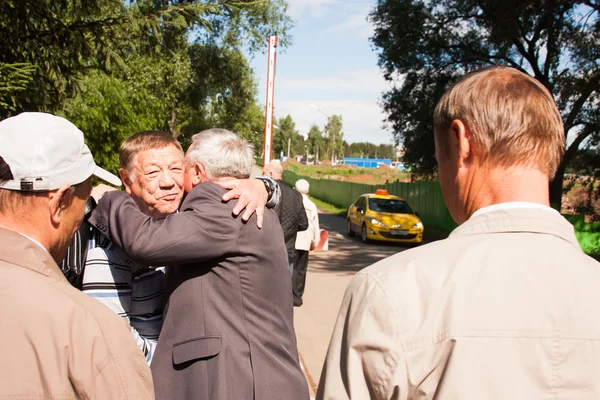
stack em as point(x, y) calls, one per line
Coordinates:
point(424, 197)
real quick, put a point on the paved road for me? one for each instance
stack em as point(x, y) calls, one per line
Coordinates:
point(329, 273)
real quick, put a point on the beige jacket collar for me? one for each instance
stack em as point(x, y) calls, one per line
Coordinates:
point(518, 220)
point(19, 250)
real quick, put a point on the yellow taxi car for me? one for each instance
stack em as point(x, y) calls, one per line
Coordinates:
point(384, 217)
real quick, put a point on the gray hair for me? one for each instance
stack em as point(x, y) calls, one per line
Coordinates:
point(222, 152)
point(302, 186)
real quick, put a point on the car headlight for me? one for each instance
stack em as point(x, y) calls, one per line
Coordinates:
point(418, 225)
point(376, 222)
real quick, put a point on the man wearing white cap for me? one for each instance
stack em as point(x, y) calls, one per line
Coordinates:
point(56, 341)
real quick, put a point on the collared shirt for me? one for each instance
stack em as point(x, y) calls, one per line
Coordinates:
point(95, 266)
point(511, 205)
point(136, 293)
point(34, 241)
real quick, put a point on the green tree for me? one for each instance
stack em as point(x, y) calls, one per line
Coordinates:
point(65, 39)
point(284, 136)
point(432, 43)
point(250, 126)
point(221, 91)
point(14, 78)
point(111, 107)
point(115, 67)
point(335, 138)
point(298, 147)
point(103, 110)
point(316, 143)
point(385, 151)
point(369, 150)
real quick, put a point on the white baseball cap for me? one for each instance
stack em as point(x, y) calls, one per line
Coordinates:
point(45, 152)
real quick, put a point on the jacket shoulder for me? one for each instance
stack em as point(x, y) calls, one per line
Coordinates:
point(102, 355)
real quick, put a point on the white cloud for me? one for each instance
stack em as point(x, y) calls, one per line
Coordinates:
point(316, 8)
point(362, 119)
point(358, 80)
point(355, 23)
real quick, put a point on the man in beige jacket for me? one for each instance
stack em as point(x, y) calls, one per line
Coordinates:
point(507, 306)
point(55, 342)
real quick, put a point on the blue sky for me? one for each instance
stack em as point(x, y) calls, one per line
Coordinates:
point(332, 65)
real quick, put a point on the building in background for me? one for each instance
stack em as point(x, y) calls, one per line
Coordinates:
point(367, 162)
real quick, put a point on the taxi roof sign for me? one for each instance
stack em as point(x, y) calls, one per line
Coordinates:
point(382, 192)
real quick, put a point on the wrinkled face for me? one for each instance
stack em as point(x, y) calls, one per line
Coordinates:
point(157, 182)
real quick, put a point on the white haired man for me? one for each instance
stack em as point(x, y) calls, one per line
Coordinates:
point(152, 170)
point(57, 343)
point(305, 241)
point(507, 306)
point(230, 312)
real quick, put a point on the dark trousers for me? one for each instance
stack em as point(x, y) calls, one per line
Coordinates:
point(299, 276)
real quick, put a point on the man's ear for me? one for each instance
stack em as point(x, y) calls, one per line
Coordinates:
point(59, 201)
point(126, 179)
point(199, 174)
point(460, 142)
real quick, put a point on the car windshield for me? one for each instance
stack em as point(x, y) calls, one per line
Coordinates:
point(389, 206)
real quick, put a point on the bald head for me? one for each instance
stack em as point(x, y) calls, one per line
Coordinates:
point(274, 170)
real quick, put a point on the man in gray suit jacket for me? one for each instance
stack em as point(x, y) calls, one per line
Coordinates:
point(228, 331)
point(507, 306)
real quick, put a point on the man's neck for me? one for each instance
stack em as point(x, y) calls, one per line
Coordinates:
point(27, 228)
point(502, 185)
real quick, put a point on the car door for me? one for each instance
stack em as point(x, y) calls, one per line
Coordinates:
point(352, 213)
point(361, 210)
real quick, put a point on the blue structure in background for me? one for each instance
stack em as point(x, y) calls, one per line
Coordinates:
point(367, 162)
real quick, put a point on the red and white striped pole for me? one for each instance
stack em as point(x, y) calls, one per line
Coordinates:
point(270, 99)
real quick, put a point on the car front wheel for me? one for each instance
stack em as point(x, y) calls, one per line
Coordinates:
point(363, 234)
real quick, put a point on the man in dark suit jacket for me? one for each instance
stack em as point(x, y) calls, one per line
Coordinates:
point(228, 331)
point(290, 211)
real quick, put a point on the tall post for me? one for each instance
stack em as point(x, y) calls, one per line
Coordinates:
point(270, 99)
point(332, 140)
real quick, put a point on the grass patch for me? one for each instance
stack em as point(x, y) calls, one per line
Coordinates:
point(589, 242)
point(373, 176)
point(329, 208)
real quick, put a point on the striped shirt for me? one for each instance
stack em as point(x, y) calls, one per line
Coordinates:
point(136, 293)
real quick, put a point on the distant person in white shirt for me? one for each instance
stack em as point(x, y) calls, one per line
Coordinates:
point(305, 241)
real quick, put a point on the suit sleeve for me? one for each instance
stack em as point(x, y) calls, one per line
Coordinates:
point(363, 360)
point(198, 233)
